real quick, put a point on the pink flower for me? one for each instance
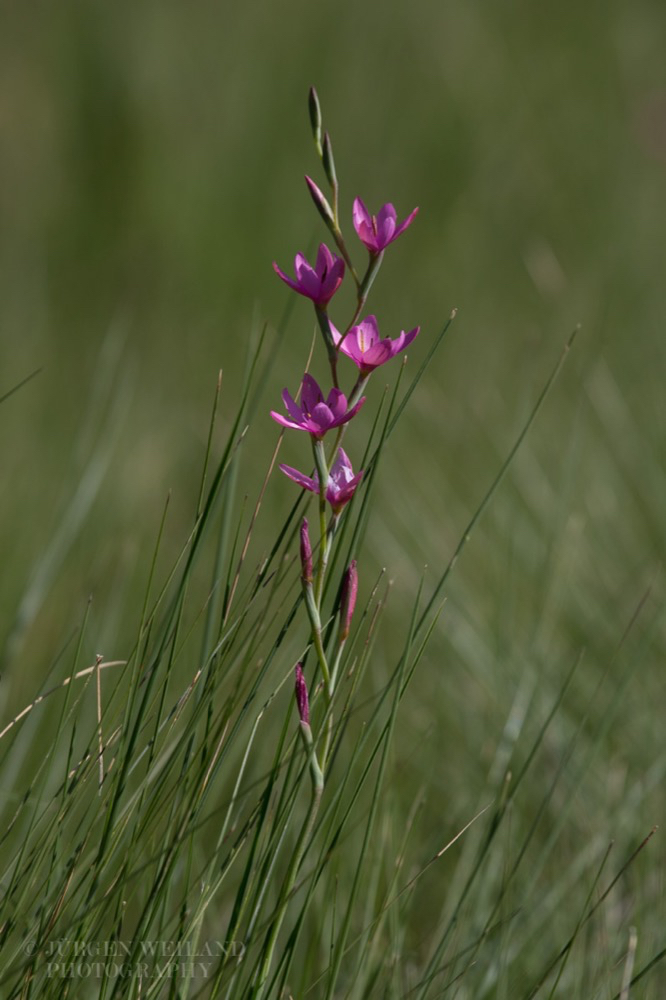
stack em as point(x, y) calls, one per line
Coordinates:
point(316, 415)
point(365, 347)
point(319, 283)
point(342, 482)
point(377, 231)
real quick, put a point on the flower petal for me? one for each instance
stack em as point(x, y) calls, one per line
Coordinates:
point(378, 355)
point(333, 280)
point(385, 226)
point(285, 277)
point(346, 492)
point(409, 337)
point(335, 333)
point(341, 463)
point(407, 222)
point(311, 484)
point(325, 260)
point(368, 332)
point(310, 285)
point(321, 420)
point(360, 215)
point(311, 394)
point(302, 267)
point(293, 409)
point(337, 403)
point(352, 413)
point(287, 423)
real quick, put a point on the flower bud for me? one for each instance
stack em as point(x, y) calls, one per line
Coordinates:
point(301, 692)
point(320, 201)
point(348, 599)
point(329, 162)
point(315, 118)
point(306, 553)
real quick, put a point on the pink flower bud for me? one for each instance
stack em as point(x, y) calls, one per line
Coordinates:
point(320, 201)
point(301, 691)
point(348, 599)
point(306, 553)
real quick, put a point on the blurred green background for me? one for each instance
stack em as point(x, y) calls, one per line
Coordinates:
point(151, 169)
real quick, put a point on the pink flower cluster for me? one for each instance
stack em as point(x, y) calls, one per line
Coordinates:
point(361, 342)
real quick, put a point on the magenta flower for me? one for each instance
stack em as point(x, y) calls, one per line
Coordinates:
point(365, 347)
point(319, 283)
point(377, 231)
point(342, 482)
point(316, 415)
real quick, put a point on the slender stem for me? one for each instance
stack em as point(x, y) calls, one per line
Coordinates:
point(354, 397)
point(363, 290)
point(342, 247)
point(357, 391)
point(325, 327)
point(315, 625)
point(317, 788)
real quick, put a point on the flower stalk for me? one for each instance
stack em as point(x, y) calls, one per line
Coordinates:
point(333, 481)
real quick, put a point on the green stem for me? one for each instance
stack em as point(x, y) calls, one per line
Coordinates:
point(317, 788)
point(325, 327)
point(363, 290)
point(357, 391)
point(342, 247)
point(315, 625)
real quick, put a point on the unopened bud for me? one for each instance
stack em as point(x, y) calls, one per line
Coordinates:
point(320, 201)
point(348, 599)
point(301, 692)
point(315, 118)
point(306, 553)
point(328, 161)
